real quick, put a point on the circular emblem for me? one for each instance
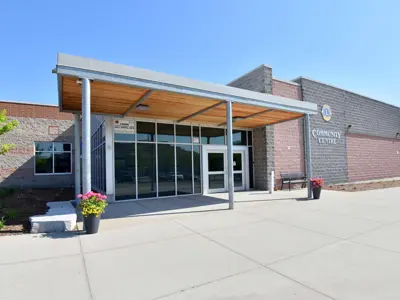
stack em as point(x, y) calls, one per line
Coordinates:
point(326, 112)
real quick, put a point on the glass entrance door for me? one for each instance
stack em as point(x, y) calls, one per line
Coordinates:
point(238, 170)
point(216, 171)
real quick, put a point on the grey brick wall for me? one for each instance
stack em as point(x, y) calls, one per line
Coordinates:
point(270, 133)
point(17, 166)
point(260, 158)
point(260, 80)
point(367, 116)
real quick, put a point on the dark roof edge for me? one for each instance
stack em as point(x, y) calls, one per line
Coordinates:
point(345, 90)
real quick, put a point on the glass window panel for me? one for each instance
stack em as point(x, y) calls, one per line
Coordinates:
point(43, 162)
point(216, 181)
point(251, 180)
point(100, 167)
point(125, 175)
point(124, 137)
point(215, 162)
point(183, 134)
point(196, 166)
point(239, 137)
point(165, 133)
point(237, 161)
point(249, 138)
point(62, 147)
point(166, 170)
point(146, 165)
point(196, 135)
point(184, 169)
point(104, 167)
point(146, 131)
point(96, 167)
point(44, 146)
point(215, 136)
point(238, 180)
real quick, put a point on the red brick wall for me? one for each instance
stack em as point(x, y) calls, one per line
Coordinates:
point(285, 89)
point(34, 111)
point(289, 144)
point(372, 157)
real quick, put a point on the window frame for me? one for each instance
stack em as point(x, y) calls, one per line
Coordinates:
point(52, 152)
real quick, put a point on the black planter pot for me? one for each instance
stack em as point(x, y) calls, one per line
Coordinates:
point(91, 223)
point(316, 192)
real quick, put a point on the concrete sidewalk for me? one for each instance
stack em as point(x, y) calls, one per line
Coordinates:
point(279, 246)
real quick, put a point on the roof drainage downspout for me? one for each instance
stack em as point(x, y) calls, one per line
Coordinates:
point(308, 154)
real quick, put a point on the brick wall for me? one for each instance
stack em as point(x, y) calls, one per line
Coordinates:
point(367, 116)
point(17, 166)
point(260, 80)
point(289, 138)
point(34, 111)
point(286, 89)
point(372, 157)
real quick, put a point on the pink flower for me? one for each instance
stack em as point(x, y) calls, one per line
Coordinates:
point(79, 195)
point(84, 197)
point(104, 197)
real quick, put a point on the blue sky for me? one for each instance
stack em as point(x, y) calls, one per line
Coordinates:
point(351, 44)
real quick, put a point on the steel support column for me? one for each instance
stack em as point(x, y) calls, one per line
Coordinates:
point(86, 137)
point(77, 145)
point(231, 187)
point(110, 160)
point(307, 141)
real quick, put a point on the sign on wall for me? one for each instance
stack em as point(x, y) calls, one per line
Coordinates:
point(53, 130)
point(326, 112)
point(124, 126)
point(326, 136)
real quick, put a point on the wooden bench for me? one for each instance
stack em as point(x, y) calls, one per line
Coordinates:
point(294, 177)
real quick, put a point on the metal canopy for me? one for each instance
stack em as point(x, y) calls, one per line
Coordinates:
point(234, 119)
point(200, 111)
point(74, 66)
point(138, 102)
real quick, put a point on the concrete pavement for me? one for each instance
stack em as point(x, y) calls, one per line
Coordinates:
point(279, 246)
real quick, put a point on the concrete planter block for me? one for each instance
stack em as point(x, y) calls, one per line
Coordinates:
point(53, 223)
point(60, 217)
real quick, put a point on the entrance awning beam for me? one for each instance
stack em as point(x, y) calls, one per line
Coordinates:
point(234, 119)
point(138, 102)
point(201, 111)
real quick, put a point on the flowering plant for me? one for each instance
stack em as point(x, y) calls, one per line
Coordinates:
point(92, 203)
point(317, 182)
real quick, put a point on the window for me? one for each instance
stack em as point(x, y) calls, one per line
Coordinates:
point(239, 137)
point(53, 158)
point(212, 136)
point(165, 133)
point(183, 134)
point(146, 131)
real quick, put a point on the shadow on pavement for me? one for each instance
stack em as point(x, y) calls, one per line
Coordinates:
point(59, 235)
point(163, 206)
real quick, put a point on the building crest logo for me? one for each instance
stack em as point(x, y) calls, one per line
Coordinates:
point(326, 112)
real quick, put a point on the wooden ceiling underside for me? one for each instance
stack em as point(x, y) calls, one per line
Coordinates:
point(108, 98)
